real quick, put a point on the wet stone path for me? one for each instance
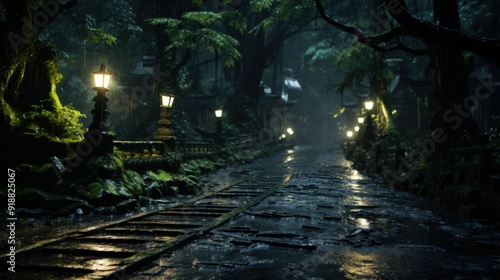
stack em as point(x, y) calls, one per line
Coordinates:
point(327, 221)
point(302, 213)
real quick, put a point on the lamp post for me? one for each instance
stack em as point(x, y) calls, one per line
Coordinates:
point(100, 112)
point(218, 129)
point(164, 132)
point(98, 130)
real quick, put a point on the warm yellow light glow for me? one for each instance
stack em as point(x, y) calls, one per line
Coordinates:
point(361, 120)
point(356, 128)
point(361, 265)
point(362, 223)
point(218, 113)
point(290, 131)
point(101, 77)
point(167, 100)
point(369, 105)
point(349, 134)
point(283, 136)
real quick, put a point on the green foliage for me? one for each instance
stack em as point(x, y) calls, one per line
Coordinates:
point(195, 30)
point(101, 23)
point(59, 123)
point(168, 22)
point(316, 55)
point(259, 5)
point(197, 3)
point(204, 18)
point(235, 20)
point(160, 176)
point(480, 17)
point(280, 12)
point(55, 76)
point(97, 36)
point(362, 62)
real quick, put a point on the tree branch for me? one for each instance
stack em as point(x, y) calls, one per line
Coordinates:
point(420, 29)
point(484, 47)
point(373, 41)
point(344, 27)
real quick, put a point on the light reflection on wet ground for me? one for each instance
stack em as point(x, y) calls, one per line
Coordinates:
point(332, 222)
point(328, 222)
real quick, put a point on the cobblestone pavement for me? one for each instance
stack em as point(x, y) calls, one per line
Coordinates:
point(328, 221)
point(302, 213)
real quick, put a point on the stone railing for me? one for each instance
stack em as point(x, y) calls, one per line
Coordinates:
point(193, 150)
point(140, 149)
point(145, 149)
point(187, 149)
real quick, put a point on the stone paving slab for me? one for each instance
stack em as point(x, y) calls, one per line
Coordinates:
point(332, 222)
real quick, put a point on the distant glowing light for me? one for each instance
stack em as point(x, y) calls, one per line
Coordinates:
point(394, 112)
point(355, 175)
point(349, 134)
point(283, 136)
point(289, 130)
point(361, 120)
point(356, 128)
point(369, 105)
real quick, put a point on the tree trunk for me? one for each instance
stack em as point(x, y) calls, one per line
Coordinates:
point(248, 74)
point(451, 81)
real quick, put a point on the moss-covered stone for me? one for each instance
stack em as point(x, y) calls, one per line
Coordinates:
point(32, 198)
point(145, 200)
point(146, 163)
point(105, 210)
point(36, 149)
point(103, 193)
point(155, 190)
point(127, 206)
point(106, 166)
point(160, 176)
point(125, 191)
point(134, 182)
point(39, 176)
point(186, 185)
point(190, 169)
point(173, 161)
point(172, 191)
point(205, 165)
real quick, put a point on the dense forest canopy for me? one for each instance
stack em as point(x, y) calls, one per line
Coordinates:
point(230, 48)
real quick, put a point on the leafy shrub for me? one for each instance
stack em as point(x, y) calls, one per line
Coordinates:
point(61, 123)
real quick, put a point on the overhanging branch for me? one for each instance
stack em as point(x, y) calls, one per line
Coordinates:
point(420, 29)
point(484, 47)
point(373, 41)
